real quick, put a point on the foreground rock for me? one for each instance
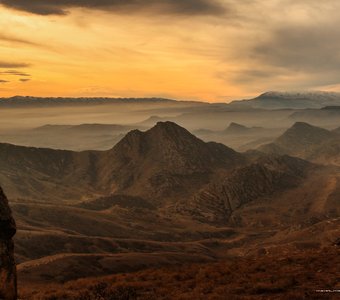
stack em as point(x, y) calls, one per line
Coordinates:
point(8, 288)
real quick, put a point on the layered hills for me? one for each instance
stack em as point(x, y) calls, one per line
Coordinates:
point(163, 197)
point(160, 161)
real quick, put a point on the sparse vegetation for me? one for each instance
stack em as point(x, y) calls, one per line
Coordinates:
point(290, 276)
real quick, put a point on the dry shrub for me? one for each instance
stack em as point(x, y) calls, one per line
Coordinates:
point(296, 276)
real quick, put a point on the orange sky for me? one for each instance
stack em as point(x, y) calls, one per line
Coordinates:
point(234, 51)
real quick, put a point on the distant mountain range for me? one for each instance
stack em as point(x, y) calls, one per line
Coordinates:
point(268, 100)
point(287, 100)
point(164, 160)
point(164, 165)
point(24, 101)
point(163, 196)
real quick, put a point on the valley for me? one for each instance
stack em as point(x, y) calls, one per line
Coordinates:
point(161, 197)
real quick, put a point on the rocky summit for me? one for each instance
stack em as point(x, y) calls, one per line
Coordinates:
point(7, 263)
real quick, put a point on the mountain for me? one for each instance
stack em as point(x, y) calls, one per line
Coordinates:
point(41, 174)
point(263, 178)
point(165, 161)
point(28, 101)
point(299, 140)
point(290, 100)
point(162, 161)
point(306, 141)
point(162, 197)
point(235, 128)
point(7, 263)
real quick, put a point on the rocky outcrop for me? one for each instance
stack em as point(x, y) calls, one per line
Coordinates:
point(267, 176)
point(8, 288)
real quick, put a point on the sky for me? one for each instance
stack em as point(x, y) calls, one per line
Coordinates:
point(209, 50)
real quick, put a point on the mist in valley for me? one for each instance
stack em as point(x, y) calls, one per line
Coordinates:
point(165, 150)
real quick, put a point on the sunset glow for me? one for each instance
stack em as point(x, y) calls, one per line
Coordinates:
point(214, 53)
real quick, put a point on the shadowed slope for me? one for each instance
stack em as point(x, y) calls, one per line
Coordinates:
point(7, 264)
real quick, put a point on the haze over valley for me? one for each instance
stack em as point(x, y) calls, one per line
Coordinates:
point(169, 150)
point(95, 195)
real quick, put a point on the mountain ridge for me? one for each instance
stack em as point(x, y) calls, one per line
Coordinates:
point(166, 155)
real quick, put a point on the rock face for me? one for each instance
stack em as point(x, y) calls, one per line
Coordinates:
point(8, 288)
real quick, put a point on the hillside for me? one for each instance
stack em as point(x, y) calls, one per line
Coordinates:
point(267, 177)
point(306, 141)
point(162, 197)
point(164, 159)
point(292, 275)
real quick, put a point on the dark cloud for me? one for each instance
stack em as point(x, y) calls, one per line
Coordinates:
point(3, 81)
point(24, 79)
point(12, 65)
point(15, 73)
point(60, 7)
point(301, 48)
point(292, 55)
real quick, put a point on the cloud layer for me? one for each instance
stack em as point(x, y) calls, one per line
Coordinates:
point(199, 49)
point(13, 65)
point(61, 7)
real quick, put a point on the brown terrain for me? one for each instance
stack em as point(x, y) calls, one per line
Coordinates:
point(166, 215)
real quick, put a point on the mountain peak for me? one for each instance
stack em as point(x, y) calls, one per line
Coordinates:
point(236, 125)
point(168, 125)
point(306, 128)
point(303, 125)
point(304, 133)
point(236, 128)
point(169, 128)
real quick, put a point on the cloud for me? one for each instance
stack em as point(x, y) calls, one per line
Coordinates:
point(3, 81)
point(11, 39)
point(24, 79)
point(286, 44)
point(13, 65)
point(61, 7)
point(15, 73)
point(310, 48)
